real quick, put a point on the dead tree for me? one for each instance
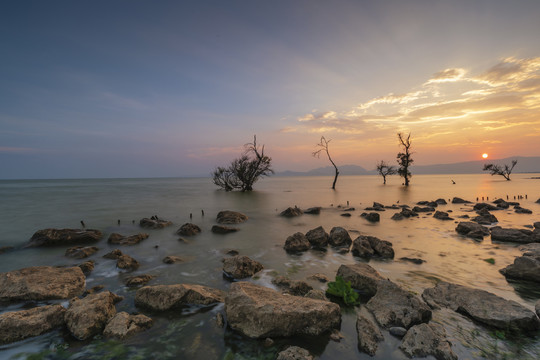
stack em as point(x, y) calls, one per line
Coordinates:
point(323, 147)
point(500, 170)
point(384, 170)
point(243, 172)
point(404, 158)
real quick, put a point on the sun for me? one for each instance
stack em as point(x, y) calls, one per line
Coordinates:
point(485, 156)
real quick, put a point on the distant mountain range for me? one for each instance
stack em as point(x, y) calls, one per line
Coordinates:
point(526, 164)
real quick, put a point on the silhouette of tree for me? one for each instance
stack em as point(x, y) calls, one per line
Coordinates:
point(500, 170)
point(323, 147)
point(404, 158)
point(384, 170)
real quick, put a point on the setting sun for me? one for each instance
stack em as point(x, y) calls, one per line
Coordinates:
point(484, 155)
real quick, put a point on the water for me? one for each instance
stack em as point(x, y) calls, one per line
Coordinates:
point(31, 205)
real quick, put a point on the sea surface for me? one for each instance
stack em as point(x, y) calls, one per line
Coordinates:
point(30, 205)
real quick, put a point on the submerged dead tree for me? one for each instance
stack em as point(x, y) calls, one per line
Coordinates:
point(243, 172)
point(500, 170)
point(323, 147)
point(404, 158)
point(384, 170)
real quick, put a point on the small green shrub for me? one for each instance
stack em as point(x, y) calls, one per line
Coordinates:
point(490, 260)
point(343, 289)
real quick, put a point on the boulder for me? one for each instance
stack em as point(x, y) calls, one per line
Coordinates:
point(432, 204)
point(58, 237)
point(41, 283)
point(260, 312)
point(188, 229)
point(427, 339)
point(526, 267)
point(369, 335)
point(313, 210)
point(538, 201)
point(371, 217)
point(442, 215)
point(88, 316)
point(397, 331)
point(4, 249)
point(293, 287)
point(87, 267)
point(485, 206)
point(123, 325)
point(119, 239)
point(482, 306)
point(167, 297)
point(115, 254)
point(419, 209)
point(393, 306)
point(513, 235)
point(230, 217)
point(536, 225)
point(126, 262)
point(339, 237)
point(291, 212)
point(221, 229)
point(19, 325)
point(485, 218)
point(296, 243)
point(154, 223)
point(408, 213)
point(371, 246)
point(138, 280)
point(172, 259)
point(397, 216)
point(318, 237)
point(457, 200)
point(441, 201)
point(294, 353)
point(520, 210)
point(240, 267)
point(472, 230)
point(81, 252)
point(537, 308)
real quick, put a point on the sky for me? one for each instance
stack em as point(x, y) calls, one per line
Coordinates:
point(175, 88)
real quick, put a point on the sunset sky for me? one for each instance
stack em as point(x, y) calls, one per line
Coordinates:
point(175, 88)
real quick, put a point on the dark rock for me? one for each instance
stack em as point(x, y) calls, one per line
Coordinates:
point(58, 237)
point(126, 262)
point(397, 331)
point(297, 242)
point(526, 267)
point(418, 209)
point(513, 235)
point(397, 216)
point(413, 260)
point(188, 229)
point(154, 223)
point(441, 202)
point(346, 215)
point(172, 259)
point(293, 287)
point(119, 239)
point(220, 229)
point(485, 218)
point(372, 217)
point(313, 210)
point(369, 335)
point(427, 339)
point(115, 254)
point(408, 213)
point(362, 277)
point(339, 237)
point(260, 312)
point(87, 267)
point(457, 200)
point(123, 325)
point(294, 353)
point(318, 237)
point(537, 308)
point(472, 230)
point(482, 306)
point(230, 217)
point(4, 249)
point(138, 280)
point(291, 212)
point(81, 252)
point(319, 277)
point(441, 215)
point(316, 294)
point(220, 320)
point(485, 206)
point(240, 267)
point(167, 297)
point(370, 246)
point(520, 210)
point(538, 201)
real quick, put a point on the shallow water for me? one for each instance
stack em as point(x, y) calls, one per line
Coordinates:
point(31, 205)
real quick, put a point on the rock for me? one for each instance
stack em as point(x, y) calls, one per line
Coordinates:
point(172, 259)
point(427, 339)
point(441, 215)
point(167, 297)
point(537, 225)
point(317, 295)
point(58, 237)
point(87, 267)
point(296, 243)
point(126, 262)
point(319, 277)
point(538, 201)
point(370, 246)
point(520, 210)
point(485, 206)
point(418, 209)
point(4, 249)
point(41, 283)
point(371, 217)
point(393, 306)
point(188, 229)
point(138, 280)
point(119, 239)
point(293, 287)
point(240, 267)
point(432, 204)
point(397, 331)
point(346, 215)
point(482, 306)
point(537, 308)
point(220, 320)
point(441, 202)
point(260, 312)
point(369, 335)
point(154, 223)
point(513, 235)
point(19, 325)
point(408, 213)
point(457, 200)
point(291, 212)
point(230, 217)
point(220, 229)
point(362, 277)
point(81, 252)
point(413, 260)
point(123, 325)
point(472, 230)
point(88, 316)
point(93, 290)
point(485, 218)
point(294, 353)
point(313, 210)
point(362, 248)
point(318, 237)
point(397, 216)
point(115, 254)
point(339, 237)
point(526, 267)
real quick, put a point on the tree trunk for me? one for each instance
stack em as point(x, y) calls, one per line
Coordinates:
point(335, 179)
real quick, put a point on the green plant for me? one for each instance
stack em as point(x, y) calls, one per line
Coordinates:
point(344, 290)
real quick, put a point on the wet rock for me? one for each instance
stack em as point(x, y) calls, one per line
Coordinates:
point(537, 201)
point(393, 306)
point(188, 229)
point(221, 229)
point(41, 283)
point(317, 295)
point(339, 237)
point(19, 325)
point(441, 202)
point(537, 225)
point(154, 223)
point(88, 316)
point(371, 246)
point(126, 262)
point(369, 335)
point(513, 235)
point(526, 267)
point(167, 297)
point(419, 209)
point(362, 277)
point(87, 267)
point(457, 200)
point(413, 260)
point(123, 325)
point(115, 254)
point(485, 218)
point(293, 287)
point(346, 215)
point(442, 215)
point(482, 306)
point(397, 331)
point(537, 308)
point(313, 210)
point(485, 206)
point(230, 217)
point(294, 353)
point(371, 217)
point(4, 249)
point(397, 216)
point(291, 212)
point(81, 252)
point(119, 239)
point(472, 230)
point(520, 210)
point(297, 242)
point(407, 213)
point(220, 320)
point(172, 259)
point(260, 312)
point(318, 237)
point(319, 277)
point(58, 237)
point(240, 267)
point(138, 280)
point(427, 339)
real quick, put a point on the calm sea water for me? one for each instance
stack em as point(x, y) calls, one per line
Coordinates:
point(28, 206)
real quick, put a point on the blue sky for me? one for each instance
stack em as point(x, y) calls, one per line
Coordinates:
point(175, 88)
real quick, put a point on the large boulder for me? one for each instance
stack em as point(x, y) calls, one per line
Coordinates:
point(371, 217)
point(41, 283)
point(482, 306)
point(88, 316)
point(362, 277)
point(119, 239)
point(291, 212)
point(369, 335)
point(297, 242)
point(427, 339)
point(123, 325)
point(188, 229)
point(230, 217)
point(472, 230)
point(57, 237)
point(457, 200)
point(513, 235)
point(19, 325)
point(154, 223)
point(240, 267)
point(318, 237)
point(339, 237)
point(260, 312)
point(394, 306)
point(166, 297)
point(371, 246)
point(442, 215)
point(222, 229)
point(526, 267)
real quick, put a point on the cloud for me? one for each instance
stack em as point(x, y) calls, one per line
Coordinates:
point(18, 150)
point(447, 75)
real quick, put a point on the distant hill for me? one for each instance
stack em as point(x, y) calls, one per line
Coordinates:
point(530, 164)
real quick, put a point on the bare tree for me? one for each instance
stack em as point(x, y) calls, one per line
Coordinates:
point(323, 147)
point(243, 172)
point(384, 170)
point(404, 158)
point(499, 170)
